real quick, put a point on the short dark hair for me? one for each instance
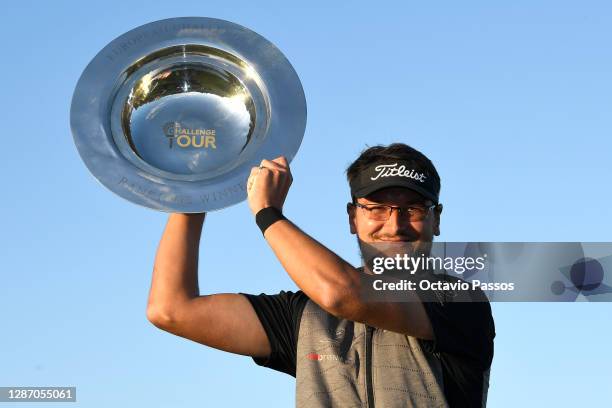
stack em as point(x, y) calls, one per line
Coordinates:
point(394, 151)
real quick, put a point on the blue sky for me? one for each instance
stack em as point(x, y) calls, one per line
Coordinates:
point(511, 101)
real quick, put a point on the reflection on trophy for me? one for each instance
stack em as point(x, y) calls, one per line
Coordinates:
point(173, 114)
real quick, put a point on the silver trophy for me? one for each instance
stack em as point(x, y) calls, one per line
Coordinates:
point(173, 114)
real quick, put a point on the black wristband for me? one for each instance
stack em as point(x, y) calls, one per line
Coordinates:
point(268, 216)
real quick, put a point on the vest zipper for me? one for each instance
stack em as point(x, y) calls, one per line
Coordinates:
point(368, 367)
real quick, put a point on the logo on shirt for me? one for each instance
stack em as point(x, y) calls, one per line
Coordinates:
point(328, 357)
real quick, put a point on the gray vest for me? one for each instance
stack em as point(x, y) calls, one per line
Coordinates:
point(346, 364)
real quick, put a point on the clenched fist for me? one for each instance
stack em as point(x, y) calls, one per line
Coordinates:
point(269, 184)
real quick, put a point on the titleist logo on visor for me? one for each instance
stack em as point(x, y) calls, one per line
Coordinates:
point(392, 170)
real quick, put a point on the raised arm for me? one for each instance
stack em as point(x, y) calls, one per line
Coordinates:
point(328, 280)
point(224, 321)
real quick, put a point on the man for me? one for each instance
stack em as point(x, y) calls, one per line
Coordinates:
point(344, 349)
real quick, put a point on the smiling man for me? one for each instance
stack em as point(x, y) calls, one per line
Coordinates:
point(344, 349)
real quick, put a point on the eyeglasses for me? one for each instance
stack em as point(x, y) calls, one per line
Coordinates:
point(381, 212)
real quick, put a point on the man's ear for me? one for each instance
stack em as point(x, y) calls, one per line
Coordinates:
point(437, 213)
point(350, 210)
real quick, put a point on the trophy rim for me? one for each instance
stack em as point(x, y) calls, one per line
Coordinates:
point(96, 89)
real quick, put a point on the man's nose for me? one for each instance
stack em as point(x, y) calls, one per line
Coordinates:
point(398, 223)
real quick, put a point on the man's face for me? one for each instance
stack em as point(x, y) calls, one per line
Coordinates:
point(397, 227)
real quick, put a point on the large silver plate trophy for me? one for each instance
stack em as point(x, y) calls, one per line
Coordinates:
point(173, 114)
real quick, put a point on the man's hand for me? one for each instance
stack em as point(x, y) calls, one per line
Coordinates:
point(269, 184)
